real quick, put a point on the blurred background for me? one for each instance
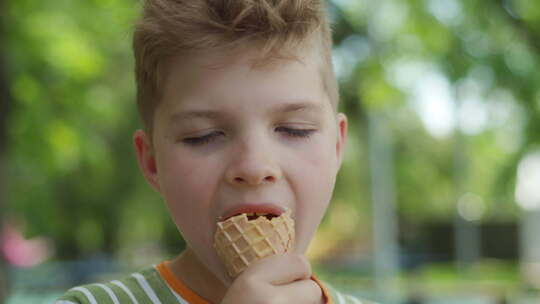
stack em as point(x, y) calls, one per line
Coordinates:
point(438, 199)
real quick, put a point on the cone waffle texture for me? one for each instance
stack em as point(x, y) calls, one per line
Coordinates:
point(240, 242)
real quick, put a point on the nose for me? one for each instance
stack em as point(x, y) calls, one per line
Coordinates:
point(254, 163)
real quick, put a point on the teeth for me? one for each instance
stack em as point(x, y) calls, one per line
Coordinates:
point(256, 213)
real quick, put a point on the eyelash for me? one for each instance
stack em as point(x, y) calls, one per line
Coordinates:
point(205, 139)
point(302, 133)
point(201, 140)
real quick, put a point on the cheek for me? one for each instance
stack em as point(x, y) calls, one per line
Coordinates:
point(319, 165)
point(182, 175)
point(187, 186)
point(313, 186)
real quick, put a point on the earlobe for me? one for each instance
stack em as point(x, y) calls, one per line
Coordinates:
point(146, 158)
point(341, 142)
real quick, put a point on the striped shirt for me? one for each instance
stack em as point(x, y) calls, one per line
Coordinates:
point(157, 285)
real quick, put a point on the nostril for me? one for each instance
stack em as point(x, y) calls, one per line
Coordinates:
point(269, 178)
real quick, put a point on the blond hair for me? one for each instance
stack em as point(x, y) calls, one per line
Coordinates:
point(168, 28)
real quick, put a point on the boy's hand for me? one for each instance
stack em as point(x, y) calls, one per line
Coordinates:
point(282, 278)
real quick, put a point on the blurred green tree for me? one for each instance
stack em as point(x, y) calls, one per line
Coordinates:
point(5, 107)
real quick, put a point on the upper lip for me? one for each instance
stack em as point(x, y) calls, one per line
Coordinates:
point(252, 207)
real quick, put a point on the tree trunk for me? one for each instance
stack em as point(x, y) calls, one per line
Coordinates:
point(385, 221)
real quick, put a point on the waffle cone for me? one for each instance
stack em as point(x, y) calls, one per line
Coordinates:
point(240, 242)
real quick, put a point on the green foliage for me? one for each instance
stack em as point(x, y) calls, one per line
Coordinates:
point(485, 48)
point(74, 173)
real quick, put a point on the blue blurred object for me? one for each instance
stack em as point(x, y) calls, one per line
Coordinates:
point(46, 282)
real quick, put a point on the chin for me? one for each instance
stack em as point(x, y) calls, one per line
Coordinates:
point(224, 278)
point(218, 270)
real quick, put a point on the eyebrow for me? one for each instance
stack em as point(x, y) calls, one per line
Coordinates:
point(193, 114)
point(295, 106)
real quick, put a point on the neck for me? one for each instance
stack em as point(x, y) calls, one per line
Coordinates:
point(188, 269)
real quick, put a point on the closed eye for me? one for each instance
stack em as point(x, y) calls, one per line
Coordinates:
point(201, 140)
point(293, 132)
point(212, 136)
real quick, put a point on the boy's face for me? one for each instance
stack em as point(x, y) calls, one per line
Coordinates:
point(239, 136)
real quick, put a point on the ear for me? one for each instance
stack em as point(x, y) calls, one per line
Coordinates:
point(342, 126)
point(146, 158)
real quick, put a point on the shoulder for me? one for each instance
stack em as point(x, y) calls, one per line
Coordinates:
point(339, 297)
point(140, 287)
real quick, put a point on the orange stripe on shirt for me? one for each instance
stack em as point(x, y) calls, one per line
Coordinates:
point(326, 294)
point(191, 297)
point(178, 286)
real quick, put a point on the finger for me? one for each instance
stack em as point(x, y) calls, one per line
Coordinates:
point(280, 269)
point(302, 291)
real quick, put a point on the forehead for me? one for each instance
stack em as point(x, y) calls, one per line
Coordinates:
point(214, 76)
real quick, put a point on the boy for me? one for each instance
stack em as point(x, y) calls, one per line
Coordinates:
point(239, 103)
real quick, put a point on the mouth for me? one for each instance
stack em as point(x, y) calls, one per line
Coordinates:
point(254, 215)
point(254, 211)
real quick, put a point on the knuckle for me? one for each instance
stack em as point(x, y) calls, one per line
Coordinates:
point(252, 292)
point(266, 300)
point(317, 291)
point(280, 299)
point(313, 292)
point(242, 282)
point(248, 282)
